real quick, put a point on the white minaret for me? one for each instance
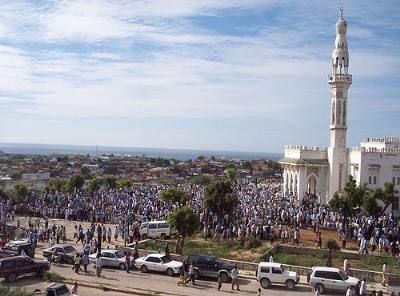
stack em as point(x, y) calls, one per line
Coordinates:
point(340, 81)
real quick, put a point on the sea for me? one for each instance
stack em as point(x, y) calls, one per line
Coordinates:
point(179, 154)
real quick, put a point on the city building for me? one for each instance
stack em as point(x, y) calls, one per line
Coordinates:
point(324, 171)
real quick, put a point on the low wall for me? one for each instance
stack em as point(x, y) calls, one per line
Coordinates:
point(370, 276)
point(307, 251)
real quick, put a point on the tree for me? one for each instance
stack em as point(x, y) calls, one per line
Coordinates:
point(185, 221)
point(110, 182)
point(385, 195)
point(85, 172)
point(205, 169)
point(3, 195)
point(388, 195)
point(200, 179)
point(55, 185)
point(331, 245)
point(348, 202)
point(124, 184)
point(230, 174)
point(21, 192)
point(175, 195)
point(75, 182)
point(219, 198)
point(247, 165)
point(94, 184)
point(370, 204)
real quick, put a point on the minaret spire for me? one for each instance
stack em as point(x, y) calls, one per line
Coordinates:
point(340, 54)
point(339, 81)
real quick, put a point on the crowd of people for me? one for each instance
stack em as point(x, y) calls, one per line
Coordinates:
point(263, 212)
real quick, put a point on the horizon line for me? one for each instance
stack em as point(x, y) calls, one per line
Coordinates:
point(133, 147)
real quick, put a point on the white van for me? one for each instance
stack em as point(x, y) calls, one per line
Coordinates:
point(155, 229)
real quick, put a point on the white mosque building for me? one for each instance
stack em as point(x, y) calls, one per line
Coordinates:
point(324, 171)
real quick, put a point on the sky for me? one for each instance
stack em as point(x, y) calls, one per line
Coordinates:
point(236, 75)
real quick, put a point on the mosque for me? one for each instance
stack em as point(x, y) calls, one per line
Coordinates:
point(324, 171)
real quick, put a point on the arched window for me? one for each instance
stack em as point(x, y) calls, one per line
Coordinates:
point(333, 113)
point(339, 113)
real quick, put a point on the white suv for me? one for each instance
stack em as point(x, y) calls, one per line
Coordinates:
point(274, 273)
point(332, 279)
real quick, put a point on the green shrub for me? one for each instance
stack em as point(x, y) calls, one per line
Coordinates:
point(52, 277)
point(250, 243)
point(13, 292)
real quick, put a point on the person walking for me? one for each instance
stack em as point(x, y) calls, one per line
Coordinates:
point(363, 287)
point(219, 281)
point(99, 265)
point(258, 292)
point(74, 290)
point(109, 234)
point(350, 291)
point(271, 259)
point(166, 251)
point(77, 263)
point(316, 292)
point(182, 278)
point(85, 261)
point(235, 278)
point(128, 260)
point(191, 274)
point(346, 266)
point(385, 276)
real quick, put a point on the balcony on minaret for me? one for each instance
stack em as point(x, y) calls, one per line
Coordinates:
point(341, 77)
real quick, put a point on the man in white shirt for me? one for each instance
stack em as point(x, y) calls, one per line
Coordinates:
point(346, 266)
point(350, 291)
point(99, 265)
point(363, 288)
point(385, 276)
point(235, 276)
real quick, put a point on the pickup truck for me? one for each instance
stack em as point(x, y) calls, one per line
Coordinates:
point(55, 289)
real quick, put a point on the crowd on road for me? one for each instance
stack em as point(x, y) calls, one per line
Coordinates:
point(263, 212)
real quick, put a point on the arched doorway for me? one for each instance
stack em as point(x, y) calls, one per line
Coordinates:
point(312, 184)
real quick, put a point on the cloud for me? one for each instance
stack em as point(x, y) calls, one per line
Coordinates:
point(72, 60)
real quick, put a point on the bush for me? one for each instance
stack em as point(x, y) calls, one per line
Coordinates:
point(13, 292)
point(52, 277)
point(249, 243)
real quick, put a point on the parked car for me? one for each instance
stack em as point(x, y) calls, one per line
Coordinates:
point(111, 258)
point(274, 273)
point(158, 262)
point(13, 267)
point(210, 266)
point(15, 248)
point(330, 279)
point(65, 251)
point(55, 289)
point(155, 229)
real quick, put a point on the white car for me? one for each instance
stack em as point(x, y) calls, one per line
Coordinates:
point(331, 279)
point(111, 258)
point(274, 273)
point(158, 262)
